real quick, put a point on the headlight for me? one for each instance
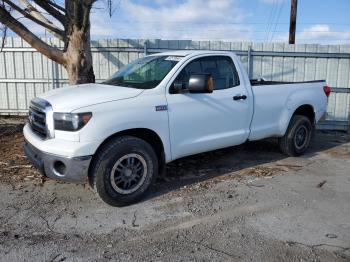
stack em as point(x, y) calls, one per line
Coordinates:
point(71, 121)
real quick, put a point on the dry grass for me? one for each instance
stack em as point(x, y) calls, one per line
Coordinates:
point(14, 166)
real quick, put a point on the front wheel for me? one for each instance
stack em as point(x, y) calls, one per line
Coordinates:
point(123, 170)
point(297, 137)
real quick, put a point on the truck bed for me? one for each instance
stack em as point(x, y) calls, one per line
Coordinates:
point(275, 101)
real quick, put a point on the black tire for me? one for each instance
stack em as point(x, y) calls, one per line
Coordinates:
point(293, 143)
point(104, 170)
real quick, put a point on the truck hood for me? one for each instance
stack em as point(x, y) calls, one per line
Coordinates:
point(67, 99)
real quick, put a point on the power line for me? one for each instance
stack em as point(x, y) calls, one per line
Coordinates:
point(233, 23)
point(278, 18)
point(240, 30)
point(270, 19)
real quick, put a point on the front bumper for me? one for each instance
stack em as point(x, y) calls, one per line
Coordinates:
point(69, 169)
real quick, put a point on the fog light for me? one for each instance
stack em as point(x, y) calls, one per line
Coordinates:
point(59, 167)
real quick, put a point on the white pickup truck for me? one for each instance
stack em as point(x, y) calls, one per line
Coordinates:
point(118, 134)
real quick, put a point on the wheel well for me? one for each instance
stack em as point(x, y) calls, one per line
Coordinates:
point(306, 110)
point(148, 135)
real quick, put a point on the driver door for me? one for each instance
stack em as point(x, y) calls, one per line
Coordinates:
point(207, 121)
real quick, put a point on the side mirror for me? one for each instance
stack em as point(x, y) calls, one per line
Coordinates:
point(201, 83)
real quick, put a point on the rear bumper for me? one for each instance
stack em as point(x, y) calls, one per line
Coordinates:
point(69, 169)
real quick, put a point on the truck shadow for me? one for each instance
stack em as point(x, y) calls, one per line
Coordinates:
point(206, 166)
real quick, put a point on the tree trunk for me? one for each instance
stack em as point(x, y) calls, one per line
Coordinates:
point(78, 57)
point(77, 45)
point(75, 18)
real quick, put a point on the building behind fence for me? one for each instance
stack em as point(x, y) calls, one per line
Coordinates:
point(25, 73)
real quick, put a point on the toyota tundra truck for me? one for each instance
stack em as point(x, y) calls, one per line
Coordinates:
point(119, 134)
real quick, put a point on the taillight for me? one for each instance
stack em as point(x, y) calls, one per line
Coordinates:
point(327, 90)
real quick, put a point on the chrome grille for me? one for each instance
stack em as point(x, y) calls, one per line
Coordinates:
point(37, 117)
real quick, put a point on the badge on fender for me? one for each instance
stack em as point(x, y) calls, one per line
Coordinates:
point(162, 108)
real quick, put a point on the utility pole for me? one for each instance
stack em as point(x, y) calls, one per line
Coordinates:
point(293, 20)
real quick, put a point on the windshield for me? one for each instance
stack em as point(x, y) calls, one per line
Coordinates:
point(144, 73)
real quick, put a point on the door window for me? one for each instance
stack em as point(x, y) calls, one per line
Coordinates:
point(221, 69)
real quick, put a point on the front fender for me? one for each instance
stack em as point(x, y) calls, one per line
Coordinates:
point(114, 117)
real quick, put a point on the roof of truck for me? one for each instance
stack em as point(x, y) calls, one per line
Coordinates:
point(190, 52)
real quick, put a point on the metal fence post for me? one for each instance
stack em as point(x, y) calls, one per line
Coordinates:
point(53, 74)
point(349, 121)
point(145, 48)
point(250, 64)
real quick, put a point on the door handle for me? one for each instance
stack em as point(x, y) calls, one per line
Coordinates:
point(239, 97)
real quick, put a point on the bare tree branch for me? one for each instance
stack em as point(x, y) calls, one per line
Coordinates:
point(36, 14)
point(53, 53)
point(4, 31)
point(57, 32)
point(56, 6)
point(3, 38)
point(51, 8)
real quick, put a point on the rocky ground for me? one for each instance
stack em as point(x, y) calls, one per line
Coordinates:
point(247, 203)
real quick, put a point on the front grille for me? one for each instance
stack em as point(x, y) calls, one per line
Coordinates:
point(37, 117)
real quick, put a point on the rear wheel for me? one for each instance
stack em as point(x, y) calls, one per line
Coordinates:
point(297, 137)
point(123, 170)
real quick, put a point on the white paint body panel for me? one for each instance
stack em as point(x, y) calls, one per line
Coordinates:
point(274, 105)
point(192, 124)
point(69, 98)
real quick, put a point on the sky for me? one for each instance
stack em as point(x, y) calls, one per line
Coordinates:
point(318, 21)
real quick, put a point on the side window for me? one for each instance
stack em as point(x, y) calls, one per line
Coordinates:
point(193, 67)
point(221, 68)
point(228, 76)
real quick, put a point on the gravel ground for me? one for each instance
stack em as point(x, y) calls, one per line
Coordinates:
point(246, 203)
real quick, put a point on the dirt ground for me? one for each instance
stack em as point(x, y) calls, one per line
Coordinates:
point(246, 203)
